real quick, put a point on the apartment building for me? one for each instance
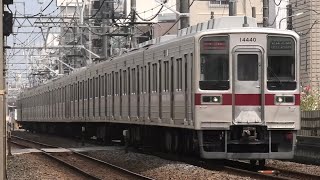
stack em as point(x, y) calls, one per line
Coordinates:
point(306, 23)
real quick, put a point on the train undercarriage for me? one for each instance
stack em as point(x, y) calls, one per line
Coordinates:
point(255, 143)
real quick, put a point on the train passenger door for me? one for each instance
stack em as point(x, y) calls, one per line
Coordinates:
point(247, 87)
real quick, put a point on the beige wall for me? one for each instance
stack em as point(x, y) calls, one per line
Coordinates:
point(201, 10)
point(308, 28)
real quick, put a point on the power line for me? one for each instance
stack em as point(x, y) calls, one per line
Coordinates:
point(43, 9)
point(151, 17)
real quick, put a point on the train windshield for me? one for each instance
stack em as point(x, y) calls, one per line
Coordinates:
point(281, 69)
point(214, 63)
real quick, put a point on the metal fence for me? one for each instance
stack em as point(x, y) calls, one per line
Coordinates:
point(310, 123)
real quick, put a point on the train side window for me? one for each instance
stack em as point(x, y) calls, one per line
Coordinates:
point(247, 67)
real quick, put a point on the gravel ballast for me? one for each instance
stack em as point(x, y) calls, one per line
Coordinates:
point(29, 166)
point(37, 167)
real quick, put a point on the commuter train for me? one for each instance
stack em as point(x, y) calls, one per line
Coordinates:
point(219, 91)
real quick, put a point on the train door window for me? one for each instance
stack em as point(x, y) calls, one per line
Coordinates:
point(179, 74)
point(91, 89)
point(142, 80)
point(281, 68)
point(85, 90)
point(145, 79)
point(166, 76)
point(154, 77)
point(107, 84)
point(214, 63)
point(248, 67)
point(80, 91)
point(102, 86)
point(117, 82)
point(113, 86)
point(133, 75)
point(120, 82)
point(185, 72)
point(129, 82)
point(97, 87)
point(125, 83)
point(94, 87)
point(71, 94)
point(160, 77)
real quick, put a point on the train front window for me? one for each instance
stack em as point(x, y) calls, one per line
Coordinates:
point(281, 68)
point(214, 63)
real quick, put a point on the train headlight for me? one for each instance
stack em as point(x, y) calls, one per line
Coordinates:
point(211, 99)
point(285, 100)
point(279, 99)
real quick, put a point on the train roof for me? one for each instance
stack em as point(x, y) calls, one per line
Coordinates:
point(222, 25)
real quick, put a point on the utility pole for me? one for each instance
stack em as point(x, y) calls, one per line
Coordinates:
point(184, 8)
point(3, 132)
point(289, 17)
point(254, 14)
point(265, 13)
point(232, 8)
point(106, 27)
point(133, 20)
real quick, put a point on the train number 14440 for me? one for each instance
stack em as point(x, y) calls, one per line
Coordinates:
point(248, 39)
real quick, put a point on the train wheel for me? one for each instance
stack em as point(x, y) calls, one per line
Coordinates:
point(253, 162)
point(262, 162)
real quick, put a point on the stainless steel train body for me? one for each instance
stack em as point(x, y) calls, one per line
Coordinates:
point(235, 91)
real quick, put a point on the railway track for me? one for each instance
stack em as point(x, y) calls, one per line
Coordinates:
point(240, 168)
point(90, 167)
point(233, 167)
point(270, 172)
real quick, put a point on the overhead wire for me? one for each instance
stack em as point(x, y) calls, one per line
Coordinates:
point(43, 9)
point(277, 4)
point(154, 16)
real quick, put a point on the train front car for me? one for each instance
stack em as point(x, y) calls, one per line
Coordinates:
point(247, 101)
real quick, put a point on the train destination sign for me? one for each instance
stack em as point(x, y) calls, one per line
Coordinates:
point(214, 45)
point(281, 45)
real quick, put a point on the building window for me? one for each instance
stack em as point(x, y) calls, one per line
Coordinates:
point(217, 3)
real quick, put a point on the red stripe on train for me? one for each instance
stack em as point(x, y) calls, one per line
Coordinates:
point(247, 99)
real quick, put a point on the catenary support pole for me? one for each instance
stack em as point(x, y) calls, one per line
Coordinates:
point(265, 13)
point(184, 8)
point(3, 132)
point(232, 8)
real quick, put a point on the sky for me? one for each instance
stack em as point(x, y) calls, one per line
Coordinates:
point(26, 34)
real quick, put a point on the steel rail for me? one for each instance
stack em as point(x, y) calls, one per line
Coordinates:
point(112, 166)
